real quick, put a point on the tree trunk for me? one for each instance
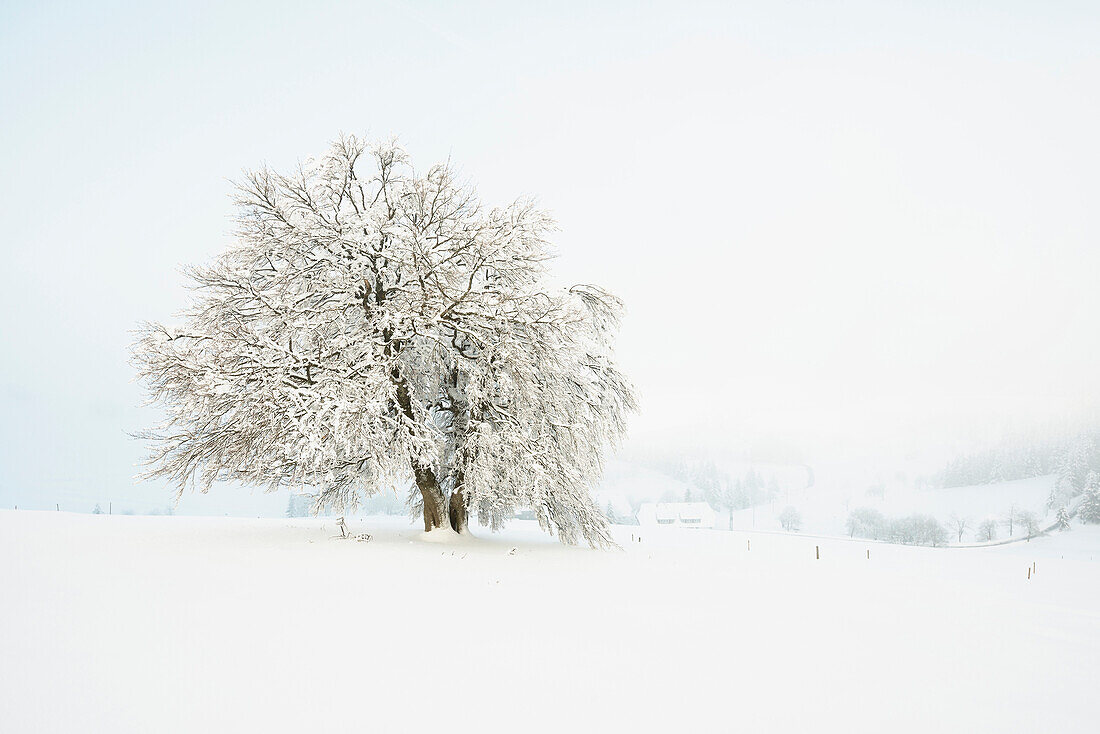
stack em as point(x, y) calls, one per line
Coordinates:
point(434, 503)
point(459, 512)
point(432, 496)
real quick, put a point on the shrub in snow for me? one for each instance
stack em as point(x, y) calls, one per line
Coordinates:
point(916, 530)
point(790, 519)
point(375, 327)
point(864, 522)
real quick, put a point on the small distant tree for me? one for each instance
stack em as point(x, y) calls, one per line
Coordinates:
point(987, 530)
point(731, 498)
point(930, 531)
point(98, 510)
point(1029, 521)
point(610, 512)
point(901, 530)
point(1011, 517)
point(1063, 519)
point(865, 522)
point(959, 525)
point(790, 519)
point(298, 505)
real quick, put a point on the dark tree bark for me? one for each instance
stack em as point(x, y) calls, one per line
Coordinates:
point(435, 511)
point(459, 511)
point(432, 495)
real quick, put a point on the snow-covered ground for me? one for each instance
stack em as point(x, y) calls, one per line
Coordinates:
point(184, 624)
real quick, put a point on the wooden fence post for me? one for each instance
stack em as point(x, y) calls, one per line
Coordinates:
point(817, 551)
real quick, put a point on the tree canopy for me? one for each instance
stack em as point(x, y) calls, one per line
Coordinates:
point(372, 327)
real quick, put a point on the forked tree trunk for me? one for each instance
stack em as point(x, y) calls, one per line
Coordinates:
point(436, 509)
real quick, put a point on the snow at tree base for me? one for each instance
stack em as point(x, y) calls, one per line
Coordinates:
point(177, 624)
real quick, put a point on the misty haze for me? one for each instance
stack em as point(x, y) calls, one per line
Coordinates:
point(407, 366)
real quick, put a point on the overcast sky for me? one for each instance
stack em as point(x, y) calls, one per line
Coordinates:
point(831, 222)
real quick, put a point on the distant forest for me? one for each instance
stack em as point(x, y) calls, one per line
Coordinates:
point(1071, 457)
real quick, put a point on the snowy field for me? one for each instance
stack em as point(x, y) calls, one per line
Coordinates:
point(183, 624)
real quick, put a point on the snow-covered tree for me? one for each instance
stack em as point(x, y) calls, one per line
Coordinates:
point(376, 327)
point(988, 530)
point(1029, 521)
point(298, 505)
point(1063, 519)
point(97, 510)
point(790, 519)
point(1075, 464)
point(1010, 518)
point(960, 525)
point(773, 488)
point(865, 522)
point(1089, 509)
point(916, 530)
point(930, 532)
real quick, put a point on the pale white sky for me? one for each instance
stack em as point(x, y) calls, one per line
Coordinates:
point(836, 221)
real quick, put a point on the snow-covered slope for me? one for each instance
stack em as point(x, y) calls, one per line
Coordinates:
point(825, 509)
point(178, 624)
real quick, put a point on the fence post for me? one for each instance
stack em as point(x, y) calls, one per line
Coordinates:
point(817, 551)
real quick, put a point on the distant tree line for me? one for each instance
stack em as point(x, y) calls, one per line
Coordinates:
point(1073, 458)
point(1018, 459)
point(916, 529)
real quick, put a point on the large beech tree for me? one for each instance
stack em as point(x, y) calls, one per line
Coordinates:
point(372, 327)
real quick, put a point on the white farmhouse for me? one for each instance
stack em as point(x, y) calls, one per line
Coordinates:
point(677, 515)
